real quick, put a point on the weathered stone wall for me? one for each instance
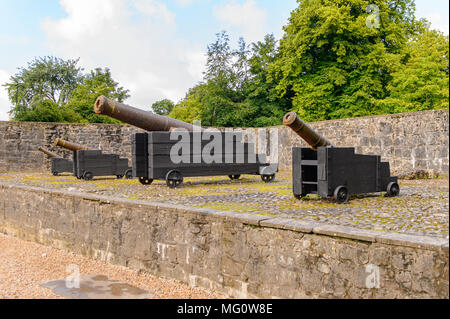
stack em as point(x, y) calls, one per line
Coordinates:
point(409, 141)
point(237, 254)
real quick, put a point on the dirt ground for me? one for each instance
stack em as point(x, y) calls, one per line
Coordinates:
point(24, 266)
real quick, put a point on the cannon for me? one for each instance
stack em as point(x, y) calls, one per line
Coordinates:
point(88, 162)
point(335, 172)
point(156, 154)
point(147, 121)
point(58, 163)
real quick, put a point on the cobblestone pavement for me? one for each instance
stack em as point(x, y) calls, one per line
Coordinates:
point(422, 207)
point(25, 265)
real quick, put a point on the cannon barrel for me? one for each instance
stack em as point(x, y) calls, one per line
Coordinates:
point(303, 130)
point(70, 145)
point(48, 153)
point(137, 117)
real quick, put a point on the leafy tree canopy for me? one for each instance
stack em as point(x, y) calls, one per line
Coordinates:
point(54, 90)
point(421, 77)
point(337, 57)
point(45, 79)
point(234, 91)
point(163, 107)
point(97, 82)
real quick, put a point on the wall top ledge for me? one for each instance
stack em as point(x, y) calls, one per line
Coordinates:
point(387, 116)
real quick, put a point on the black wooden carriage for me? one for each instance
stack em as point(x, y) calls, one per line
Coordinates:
point(90, 163)
point(231, 157)
point(61, 165)
point(338, 172)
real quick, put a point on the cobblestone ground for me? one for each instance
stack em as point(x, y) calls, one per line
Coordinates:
point(25, 265)
point(422, 207)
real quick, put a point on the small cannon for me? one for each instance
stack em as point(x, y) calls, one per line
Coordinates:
point(70, 145)
point(335, 172)
point(153, 156)
point(58, 163)
point(88, 162)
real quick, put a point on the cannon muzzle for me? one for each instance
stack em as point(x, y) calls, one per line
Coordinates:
point(70, 145)
point(48, 153)
point(137, 117)
point(303, 130)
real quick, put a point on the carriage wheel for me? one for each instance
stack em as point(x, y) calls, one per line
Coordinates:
point(119, 176)
point(55, 173)
point(88, 176)
point(174, 179)
point(393, 189)
point(341, 194)
point(234, 177)
point(145, 180)
point(267, 178)
point(129, 174)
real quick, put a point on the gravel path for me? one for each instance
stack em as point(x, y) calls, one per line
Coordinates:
point(25, 265)
point(421, 209)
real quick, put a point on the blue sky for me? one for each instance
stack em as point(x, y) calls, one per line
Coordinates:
point(154, 48)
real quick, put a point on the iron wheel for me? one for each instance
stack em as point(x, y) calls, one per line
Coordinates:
point(174, 179)
point(88, 176)
point(341, 194)
point(393, 189)
point(145, 180)
point(267, 178)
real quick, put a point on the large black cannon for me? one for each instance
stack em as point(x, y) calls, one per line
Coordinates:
point(58, 163)
point(88, 162)
point(335, 172)
point(172, 149)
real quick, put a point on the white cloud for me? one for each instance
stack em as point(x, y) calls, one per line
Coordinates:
point(135, 39)
point(438, 21)
point(4, 101)
point(247, 16)
point(156, 10)
point(184, 3)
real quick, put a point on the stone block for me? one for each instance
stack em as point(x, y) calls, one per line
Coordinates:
point(289, 224)
point(423, 242)
point(346, 232)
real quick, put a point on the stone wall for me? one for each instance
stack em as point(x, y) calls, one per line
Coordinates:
point(237, 254)
point(409, 141)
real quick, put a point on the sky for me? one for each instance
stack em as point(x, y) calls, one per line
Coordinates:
point(154, 48)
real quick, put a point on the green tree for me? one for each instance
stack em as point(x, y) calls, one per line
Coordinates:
point(234, 91)
point(45, 79)
point(48, 111)
point(216, 94)
point(265, 108)
point(219, 68)
point(421, 77)
point(336, 60)
point(97, 82)
point(163, 107)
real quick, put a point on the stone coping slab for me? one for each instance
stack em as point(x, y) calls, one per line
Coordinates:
point(397, 239)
